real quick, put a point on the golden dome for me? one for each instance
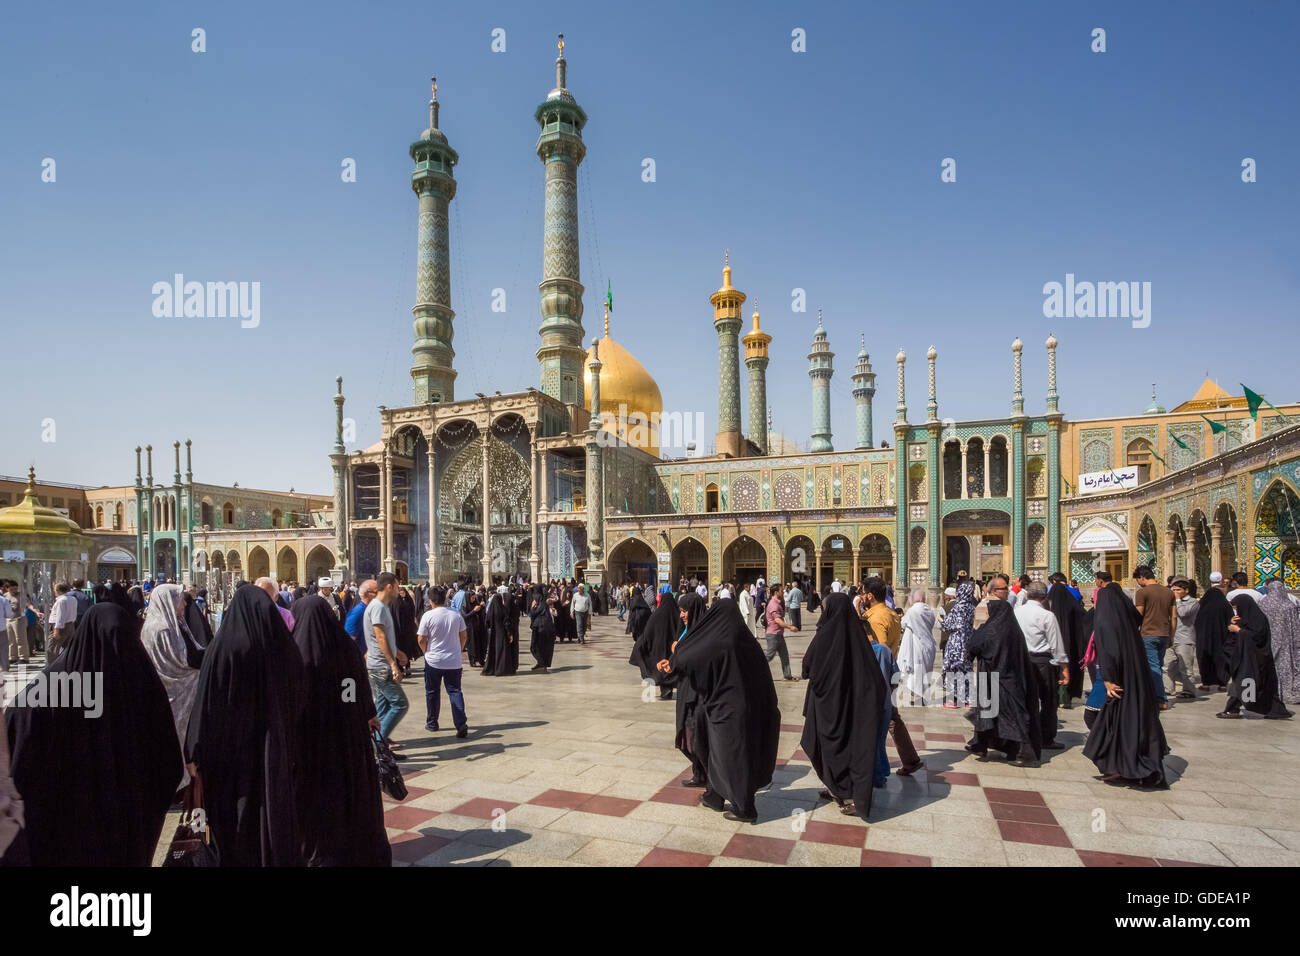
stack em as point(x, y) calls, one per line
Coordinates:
point(30, 516)
point(626, 391)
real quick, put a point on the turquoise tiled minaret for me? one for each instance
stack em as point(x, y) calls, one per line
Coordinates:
point(1018, 556)
point(901, 509)
point(864, 390)
point(432, 181)
point(726, 322)
point(561, 149)
point(1054, 417)
point(820, 370)
point(756, 359)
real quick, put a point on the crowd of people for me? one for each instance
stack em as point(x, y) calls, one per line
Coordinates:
point(268, 723)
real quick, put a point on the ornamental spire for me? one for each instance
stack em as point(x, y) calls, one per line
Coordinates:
point(433, 104)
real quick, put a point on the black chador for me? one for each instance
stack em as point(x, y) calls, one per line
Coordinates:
point(638, 613)
point(502, 650)
point(1008, 722)
point(1070, 616)
point(340, 809)
point(689, 612)
point(1126, 741)
point(1253, 683)
point(736, 718)
point(656, 641)
point(846, 701)
point(543, 625)
point(243, 734)
point(96, 787)
point(476, 625)
point(1213, 638)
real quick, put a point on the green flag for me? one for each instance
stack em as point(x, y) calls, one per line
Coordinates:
point(1181, 444)
point(609, 295)
point(1216, 427)
point(1161, 460)
point(1253, 401)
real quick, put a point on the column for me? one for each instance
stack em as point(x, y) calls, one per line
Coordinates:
point(965, 473)
point(386, 506)
point(1016, 471)
point(544, 506)
point(987, 461)
point(1168, 569)
point(1192, 532)
point(486, 561)
point(534, 558)
point(1216, 547)
point(901, 505)
point(857, 564)
point(1054, 493)
point(433, 510)
point(817, 569)
point(934, 507)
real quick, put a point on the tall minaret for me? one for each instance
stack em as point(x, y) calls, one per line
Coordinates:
point(820, 371)
point(864, 390)
point(595, 572)
point(756, 343)
point(339, 464)
point(432, 181)
point(726, 320)
point(560, 148)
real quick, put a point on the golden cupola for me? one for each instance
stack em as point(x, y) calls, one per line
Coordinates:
point(630, 402)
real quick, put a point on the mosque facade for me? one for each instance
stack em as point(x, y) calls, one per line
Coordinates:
point(565, 478)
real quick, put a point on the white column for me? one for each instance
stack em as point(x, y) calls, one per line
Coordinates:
point(964, 476)
point(433, 512)
point(986, 471)
point(486, 562)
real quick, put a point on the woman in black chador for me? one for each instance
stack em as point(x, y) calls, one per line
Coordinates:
point(735, 717)
point(846, 701)
point(1070, 617)
point(243, 734)
point(638, 614)
point(340, 809)
point(1009, 722)
point(1213, 638)
point(502, 655)
point(655, 644)
point(1253, 672)
point(541, 616)
point(1126, 741)
point(96, 786)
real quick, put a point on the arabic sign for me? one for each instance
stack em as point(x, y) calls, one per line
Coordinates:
point(1116, 478)
point(1099, 535)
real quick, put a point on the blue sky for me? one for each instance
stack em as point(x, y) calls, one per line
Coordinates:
point(819, 170)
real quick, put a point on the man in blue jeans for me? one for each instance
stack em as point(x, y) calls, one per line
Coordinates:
point(442, 638)
point(1155, 603)
point(384, 662)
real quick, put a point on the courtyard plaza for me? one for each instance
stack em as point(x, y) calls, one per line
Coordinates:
point(574, 768)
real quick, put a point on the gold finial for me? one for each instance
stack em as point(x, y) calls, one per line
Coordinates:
point(31, 481)
point(434, 82)
point(726, 258)
point(756, 328)
point(726, 270)
point(561, 45)
point(606, 320)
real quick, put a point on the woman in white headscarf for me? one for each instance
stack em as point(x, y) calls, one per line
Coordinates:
point(174, 652)
point(916, 653)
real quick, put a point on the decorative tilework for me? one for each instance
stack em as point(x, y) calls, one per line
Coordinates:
point(788, 492)
point(744, 494)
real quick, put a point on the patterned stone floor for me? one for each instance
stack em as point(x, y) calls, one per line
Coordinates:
point(573, 768)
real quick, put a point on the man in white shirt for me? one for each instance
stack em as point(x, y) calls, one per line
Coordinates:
point(442, 638)
point(794, 605)
point(1046, 654)
point(724, 592)
point(581, 608)
point(63, 620)
point(702, 590)
point(1240, 585)
point(835, 586)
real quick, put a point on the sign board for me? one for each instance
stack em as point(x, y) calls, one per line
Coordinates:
point(1099, 535)
point(837, 543)
point(665, 557)
point(663, 574)
point(15, 557)
point(1113, 480)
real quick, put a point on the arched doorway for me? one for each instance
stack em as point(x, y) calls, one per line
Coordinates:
point(744, 561)
point(259, 564)
point(836, 561)
point(1178, 540)
point(957, 556)
point(876, 558)
point(286, 565)
point(1148, 546)
point(1277, 536)
point(165, 558)
point(233, 563)
point(690, 558)
point(800, 555)
point(1198, 532)
point(320, 560)
point(633, 560)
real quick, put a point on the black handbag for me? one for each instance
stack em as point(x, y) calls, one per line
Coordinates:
point(191, 844)
point(390, 775)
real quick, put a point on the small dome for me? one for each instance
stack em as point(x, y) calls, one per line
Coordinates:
point(30, 516)
point(1051, 341)
point(901, 357)
point(932, 354)
point(1017, 345)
